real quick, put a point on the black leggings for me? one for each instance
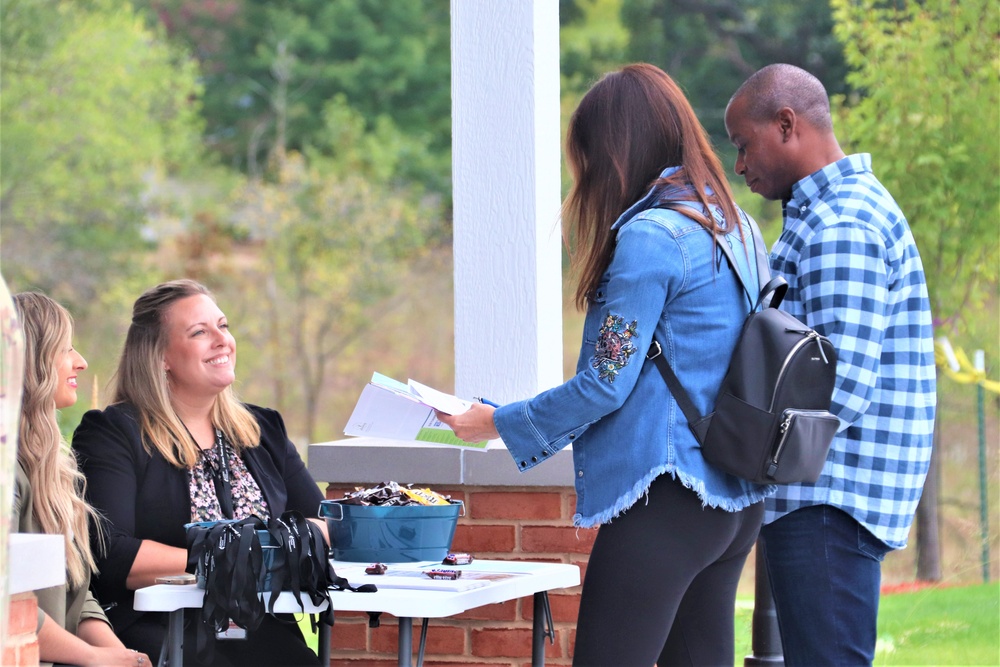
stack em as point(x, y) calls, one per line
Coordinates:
point(661, 582)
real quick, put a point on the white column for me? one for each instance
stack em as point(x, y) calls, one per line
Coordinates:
point(506, 187)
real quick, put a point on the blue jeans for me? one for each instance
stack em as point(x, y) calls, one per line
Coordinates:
point(825, 570)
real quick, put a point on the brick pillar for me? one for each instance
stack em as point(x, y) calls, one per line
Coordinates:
point(21, 648)
point(501, 523)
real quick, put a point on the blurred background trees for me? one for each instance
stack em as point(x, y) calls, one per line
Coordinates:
point(295, 156)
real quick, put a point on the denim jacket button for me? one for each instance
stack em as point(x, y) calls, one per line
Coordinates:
point(534, 459)
point(544, 453)
point(572, 436)
point(579, 473)
point(523, 464)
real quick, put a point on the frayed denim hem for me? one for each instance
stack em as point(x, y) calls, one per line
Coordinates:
point(641, 488)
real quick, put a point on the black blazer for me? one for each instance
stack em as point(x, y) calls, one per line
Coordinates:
point(143, 497)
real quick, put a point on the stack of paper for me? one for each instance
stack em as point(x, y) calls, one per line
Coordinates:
point(390, 409)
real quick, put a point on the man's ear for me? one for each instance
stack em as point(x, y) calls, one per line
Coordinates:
point(786, 123)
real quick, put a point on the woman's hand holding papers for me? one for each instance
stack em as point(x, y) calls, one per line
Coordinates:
point(473, 425)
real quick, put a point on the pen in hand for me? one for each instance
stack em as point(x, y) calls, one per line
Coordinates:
point(486, 401)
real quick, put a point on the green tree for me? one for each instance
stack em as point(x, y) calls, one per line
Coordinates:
point(593, 40)
point(928, 109)
point(711, 46)
point(95, 107)
point(330, 247)
point(270, 67)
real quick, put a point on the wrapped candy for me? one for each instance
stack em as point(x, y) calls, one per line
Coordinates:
point(391, 493)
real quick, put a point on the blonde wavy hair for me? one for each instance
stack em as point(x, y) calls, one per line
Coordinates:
point(57, 484)
point(140, 380)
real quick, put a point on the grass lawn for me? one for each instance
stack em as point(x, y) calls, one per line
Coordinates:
point(933, 626)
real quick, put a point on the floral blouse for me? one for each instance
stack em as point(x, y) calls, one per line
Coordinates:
point(247, 497)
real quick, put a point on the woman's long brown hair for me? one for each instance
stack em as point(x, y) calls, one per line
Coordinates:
point(628, 128)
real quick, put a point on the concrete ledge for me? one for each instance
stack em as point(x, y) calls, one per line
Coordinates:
point(36, 561)
point(374, 460)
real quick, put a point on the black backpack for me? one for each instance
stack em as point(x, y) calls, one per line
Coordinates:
point(772, 422)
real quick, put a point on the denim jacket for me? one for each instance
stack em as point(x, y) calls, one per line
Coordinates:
point(666, 278)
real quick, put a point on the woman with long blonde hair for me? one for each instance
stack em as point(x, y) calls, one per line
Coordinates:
point(176, 446)
point(48, 496)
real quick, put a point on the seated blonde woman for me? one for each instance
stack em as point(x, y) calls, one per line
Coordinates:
point(72, 628)
point(176, 446)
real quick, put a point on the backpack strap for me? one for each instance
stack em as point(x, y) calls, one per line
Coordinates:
point(760, 255)
point(772, 293)
point(697, 423)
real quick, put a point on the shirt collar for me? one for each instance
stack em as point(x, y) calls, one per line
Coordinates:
point(644, 203)
point(814, 184)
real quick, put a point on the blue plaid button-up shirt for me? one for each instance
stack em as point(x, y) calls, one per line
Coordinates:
point(855, 276)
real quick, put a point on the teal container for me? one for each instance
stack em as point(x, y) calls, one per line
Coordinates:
point(390, 534)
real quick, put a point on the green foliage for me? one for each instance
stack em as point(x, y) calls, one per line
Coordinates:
point(711, 46)
point(928, 111)
point(595, 41)
point(376, 148)
point(272, 67)
point(331, 246)
point(93, 105)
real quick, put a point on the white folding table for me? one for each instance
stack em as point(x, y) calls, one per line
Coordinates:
point(174, 599)
point(483, 582)
point(406, 593)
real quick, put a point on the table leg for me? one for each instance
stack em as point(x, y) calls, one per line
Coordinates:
point(324, 643)
point(175, 631)
point(405, 642)
point(541, 627)
point(423, 643)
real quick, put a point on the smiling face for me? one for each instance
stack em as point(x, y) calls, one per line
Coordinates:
point(68, 366)
point(763, 151)
point(200, 355)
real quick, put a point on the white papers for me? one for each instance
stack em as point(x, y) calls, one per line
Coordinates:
point(390, 409)
point(446, 403)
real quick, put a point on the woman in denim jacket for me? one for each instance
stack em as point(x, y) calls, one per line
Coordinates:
point(674, 531)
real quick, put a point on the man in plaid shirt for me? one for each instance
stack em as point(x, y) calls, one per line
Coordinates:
point(855, 276)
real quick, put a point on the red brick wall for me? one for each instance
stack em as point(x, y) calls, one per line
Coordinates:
point(21, 648)
point(501, 523)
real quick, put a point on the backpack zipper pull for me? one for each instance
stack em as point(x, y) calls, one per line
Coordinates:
point(782, 430)
point(809, 333)
point(819, 344)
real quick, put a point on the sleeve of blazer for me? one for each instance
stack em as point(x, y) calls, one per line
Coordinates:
point(108, 450)
point(280, 471)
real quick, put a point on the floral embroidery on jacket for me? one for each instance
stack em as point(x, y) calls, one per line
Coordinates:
point(614, 346)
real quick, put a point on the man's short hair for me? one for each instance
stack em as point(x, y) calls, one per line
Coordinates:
point(774, 87)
